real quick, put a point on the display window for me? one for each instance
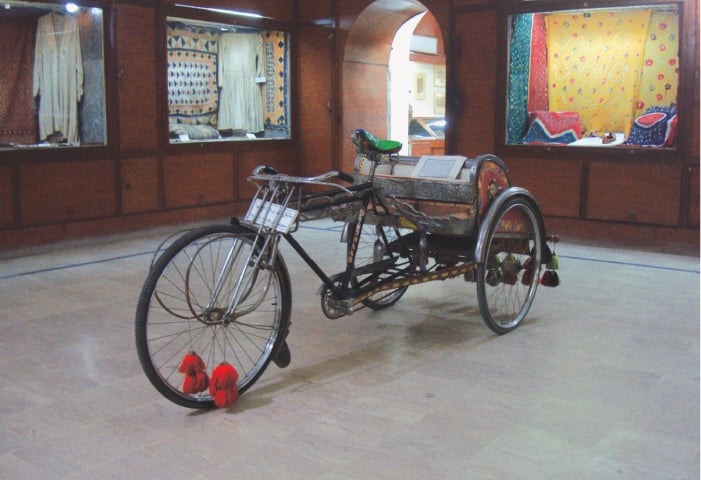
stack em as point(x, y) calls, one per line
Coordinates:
point(226, 82)
point(52, 88)
point(601, 77)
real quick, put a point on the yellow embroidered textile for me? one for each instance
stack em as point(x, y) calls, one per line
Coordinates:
point(275, 92)
point(594, 66)
point(660, 74)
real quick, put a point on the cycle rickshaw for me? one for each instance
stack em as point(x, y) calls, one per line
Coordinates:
point(221, 295)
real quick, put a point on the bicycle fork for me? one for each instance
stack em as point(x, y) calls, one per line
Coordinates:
point(264, 212)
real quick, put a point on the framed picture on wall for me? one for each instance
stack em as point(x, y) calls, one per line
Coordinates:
point(420, 86)
point(439, 103)
point(439, 76)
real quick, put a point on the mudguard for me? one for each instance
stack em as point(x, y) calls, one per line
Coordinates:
point(489, 218)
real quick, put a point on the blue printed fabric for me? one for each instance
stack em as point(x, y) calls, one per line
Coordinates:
point(655, 128)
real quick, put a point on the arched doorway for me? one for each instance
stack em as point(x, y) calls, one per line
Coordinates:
point(418, 87)
point(366, 87)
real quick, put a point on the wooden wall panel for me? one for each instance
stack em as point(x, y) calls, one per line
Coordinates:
point(65, 191)
point(694, 200)
point(471, 3)
point(316, 113)
point(634, 193)
point(136, 61)
point(555, 184)
point(7, 211)
point(139, 185)
point(695, 127)
point(316, 11)
point(473, 73)
point(191, 180)
point(365, 89)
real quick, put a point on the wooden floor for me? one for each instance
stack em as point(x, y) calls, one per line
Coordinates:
point(600, 382)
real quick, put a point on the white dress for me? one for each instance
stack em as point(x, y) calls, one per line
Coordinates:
point(241, 60)
point(58, 76)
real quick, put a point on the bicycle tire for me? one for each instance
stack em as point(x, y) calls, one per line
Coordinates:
point(507, 278)
point(372, 248)
point(177, 311)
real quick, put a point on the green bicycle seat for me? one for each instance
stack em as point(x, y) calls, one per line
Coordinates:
point(370, 142)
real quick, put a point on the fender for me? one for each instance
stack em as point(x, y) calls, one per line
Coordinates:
point(490, 217)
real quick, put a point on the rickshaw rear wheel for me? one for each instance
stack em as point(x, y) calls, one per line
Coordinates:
point(508, 273)
point(373, 247)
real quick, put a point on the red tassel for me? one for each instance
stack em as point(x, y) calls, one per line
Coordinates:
point(550, 279)
point(225, 398)
point(190, 385)
point(202, 381)
point(509, 278)
point(196, 379)
point(222, 385)
point(527, 277)
point(191, 364)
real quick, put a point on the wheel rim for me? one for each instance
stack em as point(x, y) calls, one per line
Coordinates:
point(509, 276)
point(371, 249)
point(184, 315)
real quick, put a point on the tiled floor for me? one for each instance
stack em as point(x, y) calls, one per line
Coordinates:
point(600, 382)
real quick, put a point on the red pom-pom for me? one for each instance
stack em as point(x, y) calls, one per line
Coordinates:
point(222, 385)
point(202, 381)
point(190, 385)
point(224, 376)
point(192, 364)
point(196, 379)
point(226, 398)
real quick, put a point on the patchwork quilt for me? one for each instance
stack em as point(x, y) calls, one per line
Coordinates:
point(193, 97)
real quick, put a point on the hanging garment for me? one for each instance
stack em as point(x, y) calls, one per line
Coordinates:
point(17, 110)
point(58, 76)
point(241, 60)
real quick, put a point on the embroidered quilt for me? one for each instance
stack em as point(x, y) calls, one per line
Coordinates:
point(193, 97)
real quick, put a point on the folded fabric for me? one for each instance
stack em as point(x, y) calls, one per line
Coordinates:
point(657, 127)
point(194, 132)
point(553, 127)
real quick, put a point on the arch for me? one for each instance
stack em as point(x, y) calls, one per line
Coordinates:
point(365, 69)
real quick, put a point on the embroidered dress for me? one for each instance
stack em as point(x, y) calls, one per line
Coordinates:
point(58, 76)
point(241, 60)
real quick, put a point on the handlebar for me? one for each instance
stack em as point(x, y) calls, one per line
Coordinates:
point(264, 169)
point(267, 173)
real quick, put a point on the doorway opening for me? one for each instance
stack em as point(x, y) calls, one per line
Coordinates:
point(393, 78)
point(417, 87)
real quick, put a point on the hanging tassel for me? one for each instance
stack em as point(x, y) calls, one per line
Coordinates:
point(191, 364)
point(196, 379)
point(509, 278)
point(222, 385)
point(550, 279)
point(510, 268)
point(527, 277)
point(202, 381)
point(195, 383)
